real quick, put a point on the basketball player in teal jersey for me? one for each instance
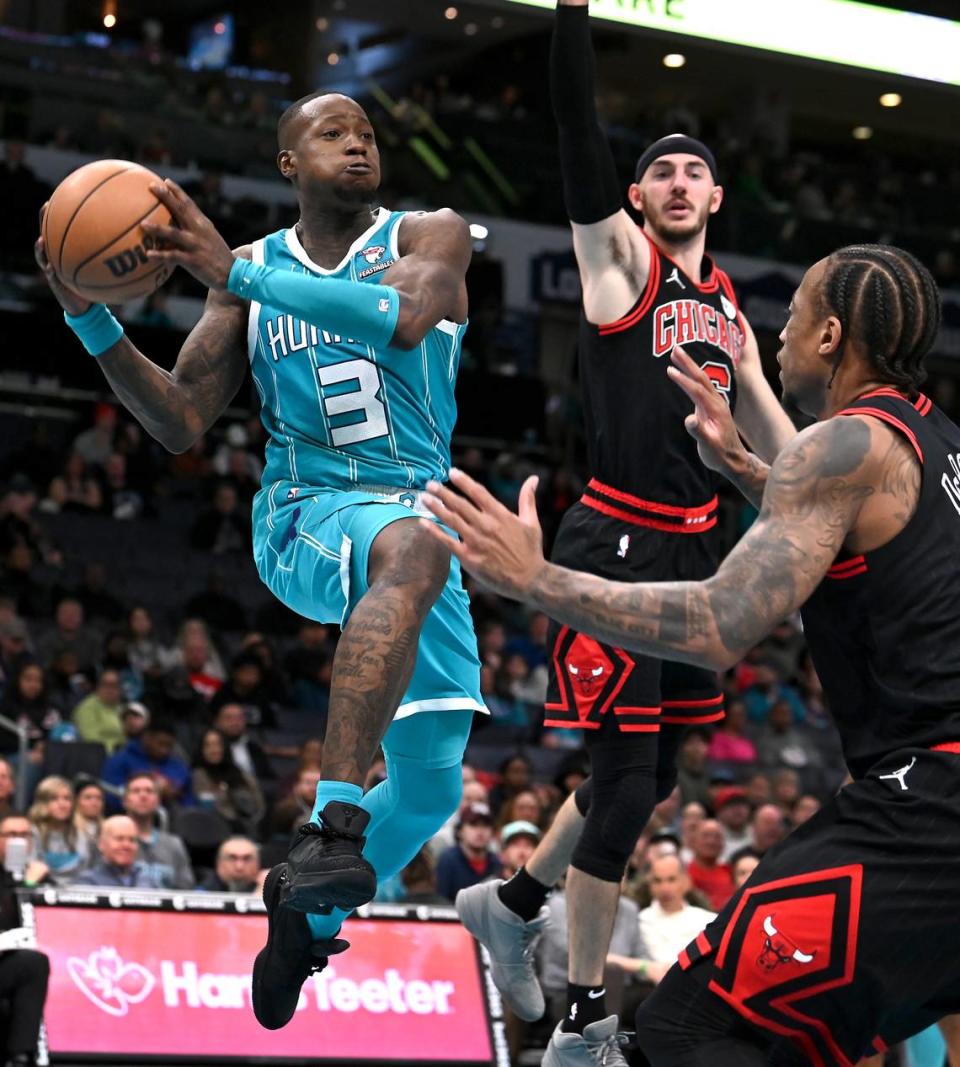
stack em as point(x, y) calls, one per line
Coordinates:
point(352, 322)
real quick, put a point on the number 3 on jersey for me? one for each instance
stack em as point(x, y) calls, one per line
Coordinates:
point(363, 398)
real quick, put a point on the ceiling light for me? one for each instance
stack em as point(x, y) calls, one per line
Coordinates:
point(470, 29)
point(674, 60)
point(451, 13)
point(333, 59)
point(862, 133)
point(109, 21)
point(478, 231)
point(322, 24)
point(891, 100)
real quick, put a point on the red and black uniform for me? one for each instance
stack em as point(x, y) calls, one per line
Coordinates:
point(650, 510)
point(845, 940)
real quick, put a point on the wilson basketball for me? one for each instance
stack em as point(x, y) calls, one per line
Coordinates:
point(93, 236)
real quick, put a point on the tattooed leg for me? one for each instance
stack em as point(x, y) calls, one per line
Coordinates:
point(376, 655)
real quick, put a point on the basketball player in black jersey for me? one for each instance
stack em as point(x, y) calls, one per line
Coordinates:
point(649, 513)
point(845, 939)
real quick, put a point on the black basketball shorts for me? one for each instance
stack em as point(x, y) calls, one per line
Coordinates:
point(591, 682)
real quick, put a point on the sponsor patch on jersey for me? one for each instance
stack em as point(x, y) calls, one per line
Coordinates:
point(729, 310)
point(372, 253)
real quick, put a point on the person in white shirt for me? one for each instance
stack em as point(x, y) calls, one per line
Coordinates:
point(668, 925)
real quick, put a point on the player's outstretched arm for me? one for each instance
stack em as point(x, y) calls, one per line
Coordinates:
point(612, 254)
point(177, 406)
point(813, 497)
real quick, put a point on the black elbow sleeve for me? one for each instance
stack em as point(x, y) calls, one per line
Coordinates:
point(590, 185)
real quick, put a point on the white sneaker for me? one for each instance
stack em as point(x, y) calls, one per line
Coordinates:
point(598, 1046)
point(510, 942)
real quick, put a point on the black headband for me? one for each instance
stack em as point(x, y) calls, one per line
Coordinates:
point(676, 142)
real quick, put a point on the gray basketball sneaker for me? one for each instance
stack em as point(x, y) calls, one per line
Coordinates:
point(510, 942)
point(599, 1046)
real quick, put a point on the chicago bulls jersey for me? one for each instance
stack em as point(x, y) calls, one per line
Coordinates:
point(884, 627)
point(639, 451)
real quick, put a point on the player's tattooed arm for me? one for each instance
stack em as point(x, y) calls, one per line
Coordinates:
point(178, 406)
point(812, 500)
point(430, 275)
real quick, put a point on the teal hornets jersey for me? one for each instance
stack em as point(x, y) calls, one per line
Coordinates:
point(339, 413)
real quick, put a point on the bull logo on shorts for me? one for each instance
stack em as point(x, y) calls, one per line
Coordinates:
point(778, 949)
point(587, 676)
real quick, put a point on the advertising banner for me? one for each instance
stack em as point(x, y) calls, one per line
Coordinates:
point(134, 982)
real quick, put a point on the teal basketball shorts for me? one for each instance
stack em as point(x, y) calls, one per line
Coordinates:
point(312, 550)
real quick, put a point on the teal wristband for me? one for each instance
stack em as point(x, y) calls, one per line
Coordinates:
point(97, 329)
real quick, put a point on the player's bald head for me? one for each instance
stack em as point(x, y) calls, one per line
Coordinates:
point(310, 108)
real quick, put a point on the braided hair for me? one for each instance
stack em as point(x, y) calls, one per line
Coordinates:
point(886, 301)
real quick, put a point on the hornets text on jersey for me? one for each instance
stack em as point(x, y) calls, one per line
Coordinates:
point(339, 413)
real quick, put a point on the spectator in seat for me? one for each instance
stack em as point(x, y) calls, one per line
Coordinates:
point(74, 490)
point(786, 791)
point(88, 809)
point(70, 635)
point(248, 754)
point(95, 597)
point(516, 776)
point(669, 924)
point(296, 809)
point(8, 789)
point(24, 972)
point(759, 789)
point(471, 859)
point(14, 647)
point(419, 880)
point(27, 702)
point(225, 527)
point(769, 828)
point(783, 744)
point(238, 861)
point(152, 753)
point(730, 743)
point(95, 445)
point(692, 766)
point(525, 806)
point(742, 864)
point(219, 782)
point(118, 864)
point(163, 854)
point(35, 871)
point(135, 718)
point(517, 841)
point(805, 808)
point(121, 498)
point(143, 647)
point(245, 686)
point(58, 845)
point(713, 878)
point(97, 717)
point(768, 689)
point(733, 812)
point(196, 661)
point(691, 815)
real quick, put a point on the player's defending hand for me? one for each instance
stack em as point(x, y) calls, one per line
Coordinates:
point(711, 424)
point(192, 242)
point(71, 302)
point(502, 550)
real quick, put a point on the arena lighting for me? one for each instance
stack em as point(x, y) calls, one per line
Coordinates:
point(478, 232)
point(833, 31)
point(450, 14)
point(333, 59)
point(470, 29)
point(322, 24)
point(862, 133)
point(890, 99)
point(674, 60)
point(108, 13)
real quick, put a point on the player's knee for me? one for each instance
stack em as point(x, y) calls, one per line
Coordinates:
point(430, 798)
point(404, 554)
point(620, 808)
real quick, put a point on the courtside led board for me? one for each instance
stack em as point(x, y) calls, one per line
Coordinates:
point(834, 31)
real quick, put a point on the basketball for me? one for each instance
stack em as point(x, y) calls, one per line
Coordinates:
point(92, 232)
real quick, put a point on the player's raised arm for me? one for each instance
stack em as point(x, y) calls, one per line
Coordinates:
point(612, 254)
point(177, 406)
point(812, 499)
